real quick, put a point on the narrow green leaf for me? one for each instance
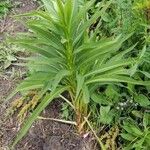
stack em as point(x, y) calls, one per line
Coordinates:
point(145, 73)
point(142, 52)
point(146, 120)
point(91, 20)
point(80, 81)
point(86, 95)
point(49, 6)
point(120, 55)
point(29, 85)
point(47, 99)
point(139, 144)
point(60, 75)
point(116, 78)
point(127, 136)
point(110, 66)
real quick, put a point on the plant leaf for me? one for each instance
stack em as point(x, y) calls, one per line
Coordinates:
point(47, 99)
point(105, 116)
point(142, 100)
point(127, 136)
point(146, 120)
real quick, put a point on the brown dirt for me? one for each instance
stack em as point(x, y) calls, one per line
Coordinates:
point(9, 25)
point(44, 134)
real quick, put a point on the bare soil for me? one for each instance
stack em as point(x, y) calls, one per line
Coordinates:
point(44, 134)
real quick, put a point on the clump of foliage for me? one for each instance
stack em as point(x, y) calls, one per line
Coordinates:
point(137, 136)
point(7, 55)
point(5, 6)
point(100, 70)
point(120, 103)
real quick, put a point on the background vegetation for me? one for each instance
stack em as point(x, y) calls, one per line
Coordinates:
point(96, 53)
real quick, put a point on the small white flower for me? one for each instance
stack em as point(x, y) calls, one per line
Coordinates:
point(121, 104)
point(124, 104)
point(117, 108)
point(86, 135)
point(131, 101)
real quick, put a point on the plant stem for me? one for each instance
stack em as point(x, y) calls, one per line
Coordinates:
point(98, 139)
point(67, 101)
point(58, 120)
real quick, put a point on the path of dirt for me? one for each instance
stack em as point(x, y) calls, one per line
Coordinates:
point(44, 134)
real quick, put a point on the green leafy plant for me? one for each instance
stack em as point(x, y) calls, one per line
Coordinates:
point(7, 55)
point(69, 57)
point(106, 115)
point(142, 100)
point(136, 136)
point(4, 7)
point(66, 111)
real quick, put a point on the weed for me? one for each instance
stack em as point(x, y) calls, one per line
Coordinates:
point(5, 6)
point(7, 55)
